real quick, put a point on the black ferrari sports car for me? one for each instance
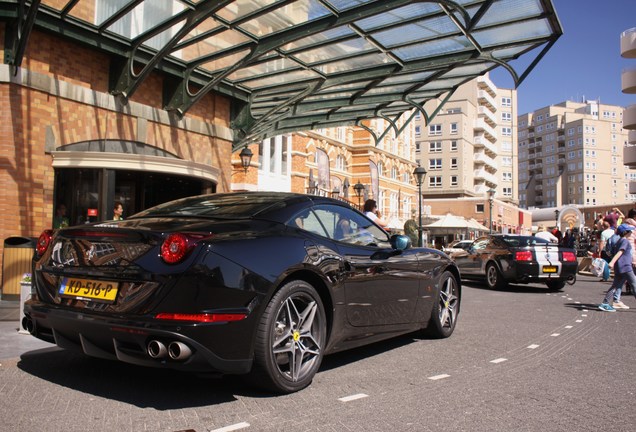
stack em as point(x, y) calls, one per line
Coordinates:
point(502, 258)
point(263, 284)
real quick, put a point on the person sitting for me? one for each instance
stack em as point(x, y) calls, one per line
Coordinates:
point(371, 211)
point(343, 229)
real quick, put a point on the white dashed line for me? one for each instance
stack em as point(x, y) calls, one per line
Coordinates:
point(569, 299)
point(438, 377)
point(233, 427)
point(568, 327)
point(533, 346)
point(583, 315)
point(577, 302)
point(555, 334)
point(353, 397)
point(585, 310)
point(499, 360)
point(578, 321)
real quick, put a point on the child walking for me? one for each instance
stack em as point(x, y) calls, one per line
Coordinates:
point(623, 270)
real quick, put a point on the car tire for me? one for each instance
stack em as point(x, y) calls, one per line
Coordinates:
point(555, 285)
point(445, 309)
point(494, 278)
point(290, 339)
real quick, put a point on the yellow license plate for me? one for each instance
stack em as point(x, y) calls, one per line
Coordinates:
point(87, 289)
point(549, 269)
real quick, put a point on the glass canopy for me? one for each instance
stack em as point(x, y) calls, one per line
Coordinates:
point(292, 65)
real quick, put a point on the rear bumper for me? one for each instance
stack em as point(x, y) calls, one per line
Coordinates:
point(534, 272)
point(126, 339)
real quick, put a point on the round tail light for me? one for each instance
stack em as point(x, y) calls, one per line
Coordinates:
point(174, 248)
point(43, 242)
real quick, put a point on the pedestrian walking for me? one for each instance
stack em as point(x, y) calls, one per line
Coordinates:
point(623, 270)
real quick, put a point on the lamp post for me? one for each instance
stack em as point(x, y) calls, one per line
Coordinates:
point(358, 188)
point(246, 158)
point(556, 218)
point(419, 172)
point(491, 199)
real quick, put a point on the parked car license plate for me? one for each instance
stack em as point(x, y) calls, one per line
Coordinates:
point(549, 269)
point(88, 289)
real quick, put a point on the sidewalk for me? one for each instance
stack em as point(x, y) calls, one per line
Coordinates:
point(12, 343)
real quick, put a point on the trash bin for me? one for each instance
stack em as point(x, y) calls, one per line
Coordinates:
point(16, 260)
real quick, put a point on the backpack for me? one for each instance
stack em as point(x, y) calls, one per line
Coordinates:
point(611, 247)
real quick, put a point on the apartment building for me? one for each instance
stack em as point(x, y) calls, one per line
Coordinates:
point(628, 85)
point(572, 153)
point(469, 152)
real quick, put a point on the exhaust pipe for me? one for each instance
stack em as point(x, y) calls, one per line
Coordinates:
point(157, 349)
point(179, 351)
point(28, 324)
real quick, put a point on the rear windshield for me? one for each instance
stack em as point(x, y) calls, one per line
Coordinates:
point(522, 241)
point(235, 206)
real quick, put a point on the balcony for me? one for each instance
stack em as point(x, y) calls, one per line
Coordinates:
point(484, 83)
point(629, 156)
point(628, 43)
point(631, 137)
point(482, 174)
point(628, 81)
point(486, 114)
point(538, 176)
point(485, 98)
point(481, 158)
point(480, 142)
point(629, 118)
point(489, 132)
point(632, 187)
point(561, 161)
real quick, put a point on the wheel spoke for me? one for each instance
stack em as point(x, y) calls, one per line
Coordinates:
point(447, 304)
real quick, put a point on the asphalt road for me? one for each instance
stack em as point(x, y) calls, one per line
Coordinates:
point(522, 359)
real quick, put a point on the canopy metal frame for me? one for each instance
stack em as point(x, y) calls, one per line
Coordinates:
point(293, 65)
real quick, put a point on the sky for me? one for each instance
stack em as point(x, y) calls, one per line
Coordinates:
point(584, 63)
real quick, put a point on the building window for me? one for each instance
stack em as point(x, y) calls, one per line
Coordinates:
point(435, 182)
point(506, 131)
point(435, 147)
point(394, 173)
point(506, 116)
point(453, 163)
point(435, 164)
point(435, 129)
point(506, 101)
point(341, 163)
point(507, 191)
point(453, 145)
point(507, 176)
point(417, 130)
point(453, 128)
point(453, 180)
point(479, 208)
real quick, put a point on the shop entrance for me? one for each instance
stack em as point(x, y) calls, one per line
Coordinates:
point(88, 194)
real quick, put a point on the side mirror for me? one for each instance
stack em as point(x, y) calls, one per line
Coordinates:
point(400, 242)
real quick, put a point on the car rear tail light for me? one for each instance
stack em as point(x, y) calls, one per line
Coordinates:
point(523, 256)
point(177, 246)
point(43, 242)
point(569, 257)
point(202, 317)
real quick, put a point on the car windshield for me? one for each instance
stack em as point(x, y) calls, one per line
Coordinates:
point(522, 241)
point(233, 206)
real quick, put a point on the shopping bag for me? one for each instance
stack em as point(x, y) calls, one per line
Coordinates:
point(598, 266)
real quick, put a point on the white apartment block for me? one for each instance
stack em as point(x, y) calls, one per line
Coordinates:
point(572, 153)
point(470, 146)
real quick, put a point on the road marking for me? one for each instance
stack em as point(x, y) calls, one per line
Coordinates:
point(353, 397)
point(568, 327)
point(233, 427)
point(499, 360)
point(585, 310)
point(579, 320)
point(577, 302)
point(584, 315)
point(438, 377)
point(555, 334)
point(569, 298)
point(533, 346)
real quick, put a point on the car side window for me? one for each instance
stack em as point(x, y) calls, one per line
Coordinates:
point(480, 244)
point(345, 225)
point(308, 221)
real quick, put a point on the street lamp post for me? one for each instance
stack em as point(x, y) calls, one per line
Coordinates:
point(491, 198)
point(556, 218)
point(419, 172)
point(358, 188)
